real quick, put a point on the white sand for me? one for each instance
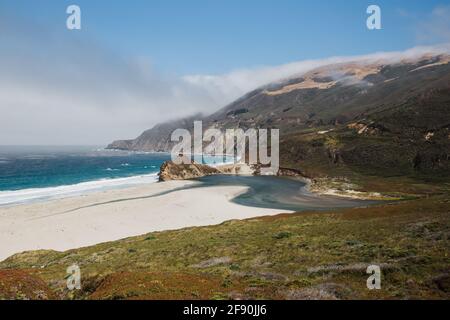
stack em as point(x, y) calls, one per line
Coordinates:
point(48, 225)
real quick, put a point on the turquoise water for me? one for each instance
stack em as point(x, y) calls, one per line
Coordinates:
point(39, 167)
point(41, 173)
point(29, 173)
point(280, 193)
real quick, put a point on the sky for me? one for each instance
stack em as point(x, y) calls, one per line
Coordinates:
point(136, 63)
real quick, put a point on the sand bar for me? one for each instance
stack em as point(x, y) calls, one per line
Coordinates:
point(115, 214)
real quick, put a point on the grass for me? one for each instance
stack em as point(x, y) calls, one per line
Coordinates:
point(297, 256)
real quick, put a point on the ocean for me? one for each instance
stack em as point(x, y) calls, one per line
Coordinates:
point(41, 173)
point(30, 174)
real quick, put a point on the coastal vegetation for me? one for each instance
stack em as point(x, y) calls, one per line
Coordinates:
point(307, 255)
point(366, 130)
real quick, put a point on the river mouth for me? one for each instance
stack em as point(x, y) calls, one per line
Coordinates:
point(268, 192)
point(279, 193)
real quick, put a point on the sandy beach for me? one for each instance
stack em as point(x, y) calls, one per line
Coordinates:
point(79, 221)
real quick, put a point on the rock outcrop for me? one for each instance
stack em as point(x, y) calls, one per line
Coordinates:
point(171, 171)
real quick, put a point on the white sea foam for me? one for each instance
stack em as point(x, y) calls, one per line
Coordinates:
point(38, 194)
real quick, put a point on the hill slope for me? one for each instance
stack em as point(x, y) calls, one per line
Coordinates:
point(297, 256)
point(367, 117)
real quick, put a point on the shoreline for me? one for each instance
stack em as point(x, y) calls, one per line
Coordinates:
point(11, 198)
point(110, 214)
point(103, 216)
point(344, 189)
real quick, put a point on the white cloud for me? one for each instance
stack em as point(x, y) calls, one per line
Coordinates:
point(61, 88)
point(228, 87)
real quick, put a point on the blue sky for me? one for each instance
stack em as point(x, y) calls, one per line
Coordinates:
point(215, 36)
point(137, 63)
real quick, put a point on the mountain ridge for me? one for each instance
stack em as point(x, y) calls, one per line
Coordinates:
point(376, 104)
